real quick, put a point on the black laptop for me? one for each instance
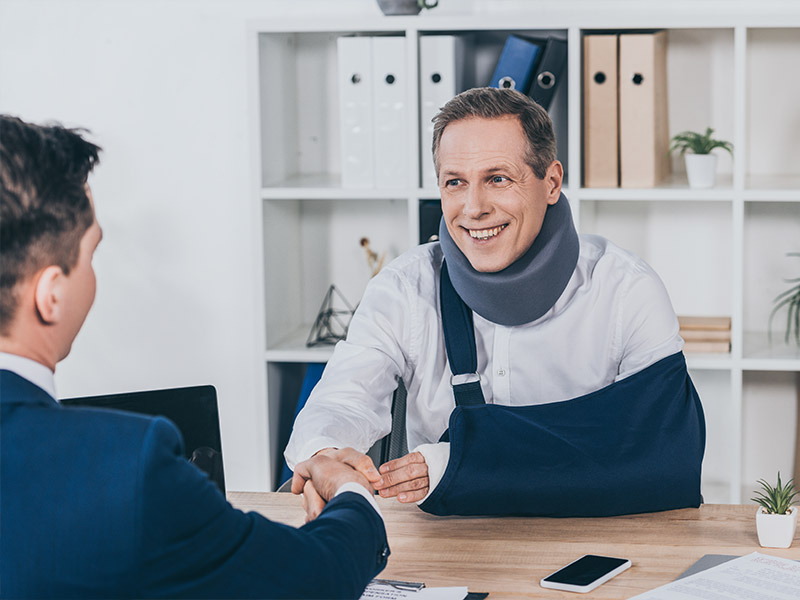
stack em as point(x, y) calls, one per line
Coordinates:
point(192, 409)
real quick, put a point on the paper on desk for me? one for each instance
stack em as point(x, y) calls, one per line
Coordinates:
point(381, 591)
point(755, 576)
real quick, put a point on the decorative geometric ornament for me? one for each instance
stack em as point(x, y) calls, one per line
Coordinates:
point(331, 323)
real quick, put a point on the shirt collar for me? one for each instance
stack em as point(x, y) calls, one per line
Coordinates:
point(35, 372)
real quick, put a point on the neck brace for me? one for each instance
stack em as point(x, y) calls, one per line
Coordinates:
point(530, 286)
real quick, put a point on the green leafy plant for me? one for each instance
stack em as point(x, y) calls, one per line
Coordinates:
point(698, 143)
point(790, 298)
point(775, 500)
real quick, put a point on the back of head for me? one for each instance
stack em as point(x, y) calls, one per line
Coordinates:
point(494, 103)
point(44, 206)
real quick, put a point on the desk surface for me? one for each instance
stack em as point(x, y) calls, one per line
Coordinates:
point(508, 556)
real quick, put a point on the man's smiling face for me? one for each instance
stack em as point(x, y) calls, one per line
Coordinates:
point(493, 203)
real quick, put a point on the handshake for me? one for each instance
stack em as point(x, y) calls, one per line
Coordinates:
point(320, 477)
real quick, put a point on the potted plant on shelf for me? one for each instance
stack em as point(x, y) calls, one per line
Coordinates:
point(790, 298)
point(776, 518)
point(701, 165)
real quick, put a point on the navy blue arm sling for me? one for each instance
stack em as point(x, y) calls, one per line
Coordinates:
point(631, 447)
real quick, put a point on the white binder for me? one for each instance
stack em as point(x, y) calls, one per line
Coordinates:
point(390, 89)
point(355, 111)
point(440, 78)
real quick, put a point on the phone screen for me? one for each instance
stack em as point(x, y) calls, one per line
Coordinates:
point(585, 570)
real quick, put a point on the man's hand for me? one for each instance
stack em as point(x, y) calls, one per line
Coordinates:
point(352, 457)
point(405, 477)
point(318, 479)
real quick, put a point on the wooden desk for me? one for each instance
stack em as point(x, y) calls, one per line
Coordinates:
point(508, 556)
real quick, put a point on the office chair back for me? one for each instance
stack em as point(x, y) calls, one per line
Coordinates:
point(192, 409)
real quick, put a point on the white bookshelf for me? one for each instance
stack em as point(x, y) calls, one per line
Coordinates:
point(719, 251)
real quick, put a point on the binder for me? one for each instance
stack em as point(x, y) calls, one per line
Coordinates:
point(515, 67)
point(310, 379)
point(430, 215)
point(441, 76)
point(600, 110)
point(390, 89)
point(549, 71)
point(354, 74)
point(643, 118)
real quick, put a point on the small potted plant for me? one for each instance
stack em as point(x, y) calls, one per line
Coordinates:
point(790, 298)
point(701, 165)
point(776, 518)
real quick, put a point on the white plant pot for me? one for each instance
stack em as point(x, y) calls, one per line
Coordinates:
point(701, 170)
point(776, 531)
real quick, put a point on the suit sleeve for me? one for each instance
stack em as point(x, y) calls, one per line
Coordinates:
point(195, 544)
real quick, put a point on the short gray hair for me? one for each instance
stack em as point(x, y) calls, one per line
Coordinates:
point(494, 103)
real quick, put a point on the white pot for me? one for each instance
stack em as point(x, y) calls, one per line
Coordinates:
point(701, 170)
point(776, 531)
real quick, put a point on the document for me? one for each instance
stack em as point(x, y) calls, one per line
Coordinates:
point(385, 589)
point(755, 576)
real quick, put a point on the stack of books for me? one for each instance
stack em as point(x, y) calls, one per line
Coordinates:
point(706, 334)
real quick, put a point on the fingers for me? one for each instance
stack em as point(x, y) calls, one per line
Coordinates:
point(360, 462)
point(313, 503)
point(408, 491)
point(411, 466)
point(405, 477)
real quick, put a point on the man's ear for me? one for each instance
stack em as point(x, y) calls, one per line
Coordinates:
point(48, 294)
point(553, 178)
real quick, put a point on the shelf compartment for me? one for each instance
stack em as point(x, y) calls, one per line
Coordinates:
point(311, 244)
point(766, 266)
point(719, 462)
point(482, 51)
point(300, 139)
point(773, 152)
point(700, 81)
point(689, 245)
point(769, 403)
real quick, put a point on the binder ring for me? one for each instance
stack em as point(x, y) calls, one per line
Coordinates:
point(507, 83)
point(546, 80)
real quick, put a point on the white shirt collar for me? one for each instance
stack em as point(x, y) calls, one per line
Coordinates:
point(35, 372)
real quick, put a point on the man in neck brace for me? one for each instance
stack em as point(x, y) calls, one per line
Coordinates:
point(564, 347)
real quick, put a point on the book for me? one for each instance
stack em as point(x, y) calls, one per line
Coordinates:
point(709, 323)
point(706, 335)
point(709, 346)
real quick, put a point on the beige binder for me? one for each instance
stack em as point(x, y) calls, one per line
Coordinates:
point(643, 125)
point(600, 110)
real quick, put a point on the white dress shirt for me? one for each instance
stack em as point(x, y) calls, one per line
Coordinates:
point(29, 369)
point(613, 320)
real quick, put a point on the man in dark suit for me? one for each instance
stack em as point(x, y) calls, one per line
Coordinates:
point(97, 503)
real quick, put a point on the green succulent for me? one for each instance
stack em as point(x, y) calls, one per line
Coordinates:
point(790, 297)
point(775, 500)
point(698, 143)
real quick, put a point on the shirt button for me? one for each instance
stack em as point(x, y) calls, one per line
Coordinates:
point(501, 372)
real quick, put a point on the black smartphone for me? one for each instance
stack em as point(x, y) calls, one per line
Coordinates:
point(586, 573)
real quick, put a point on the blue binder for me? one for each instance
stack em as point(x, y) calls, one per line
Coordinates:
point(516, 65)
point(313, 375)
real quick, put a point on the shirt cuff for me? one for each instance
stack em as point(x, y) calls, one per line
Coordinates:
point(352, 486)
point(308, 450)
point(436, 457)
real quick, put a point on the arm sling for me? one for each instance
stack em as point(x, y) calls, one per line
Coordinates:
point(633, 446)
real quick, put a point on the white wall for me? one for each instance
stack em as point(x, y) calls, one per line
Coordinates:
point(162, 84)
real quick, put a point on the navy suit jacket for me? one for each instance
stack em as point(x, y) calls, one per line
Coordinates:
point(101, 503)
